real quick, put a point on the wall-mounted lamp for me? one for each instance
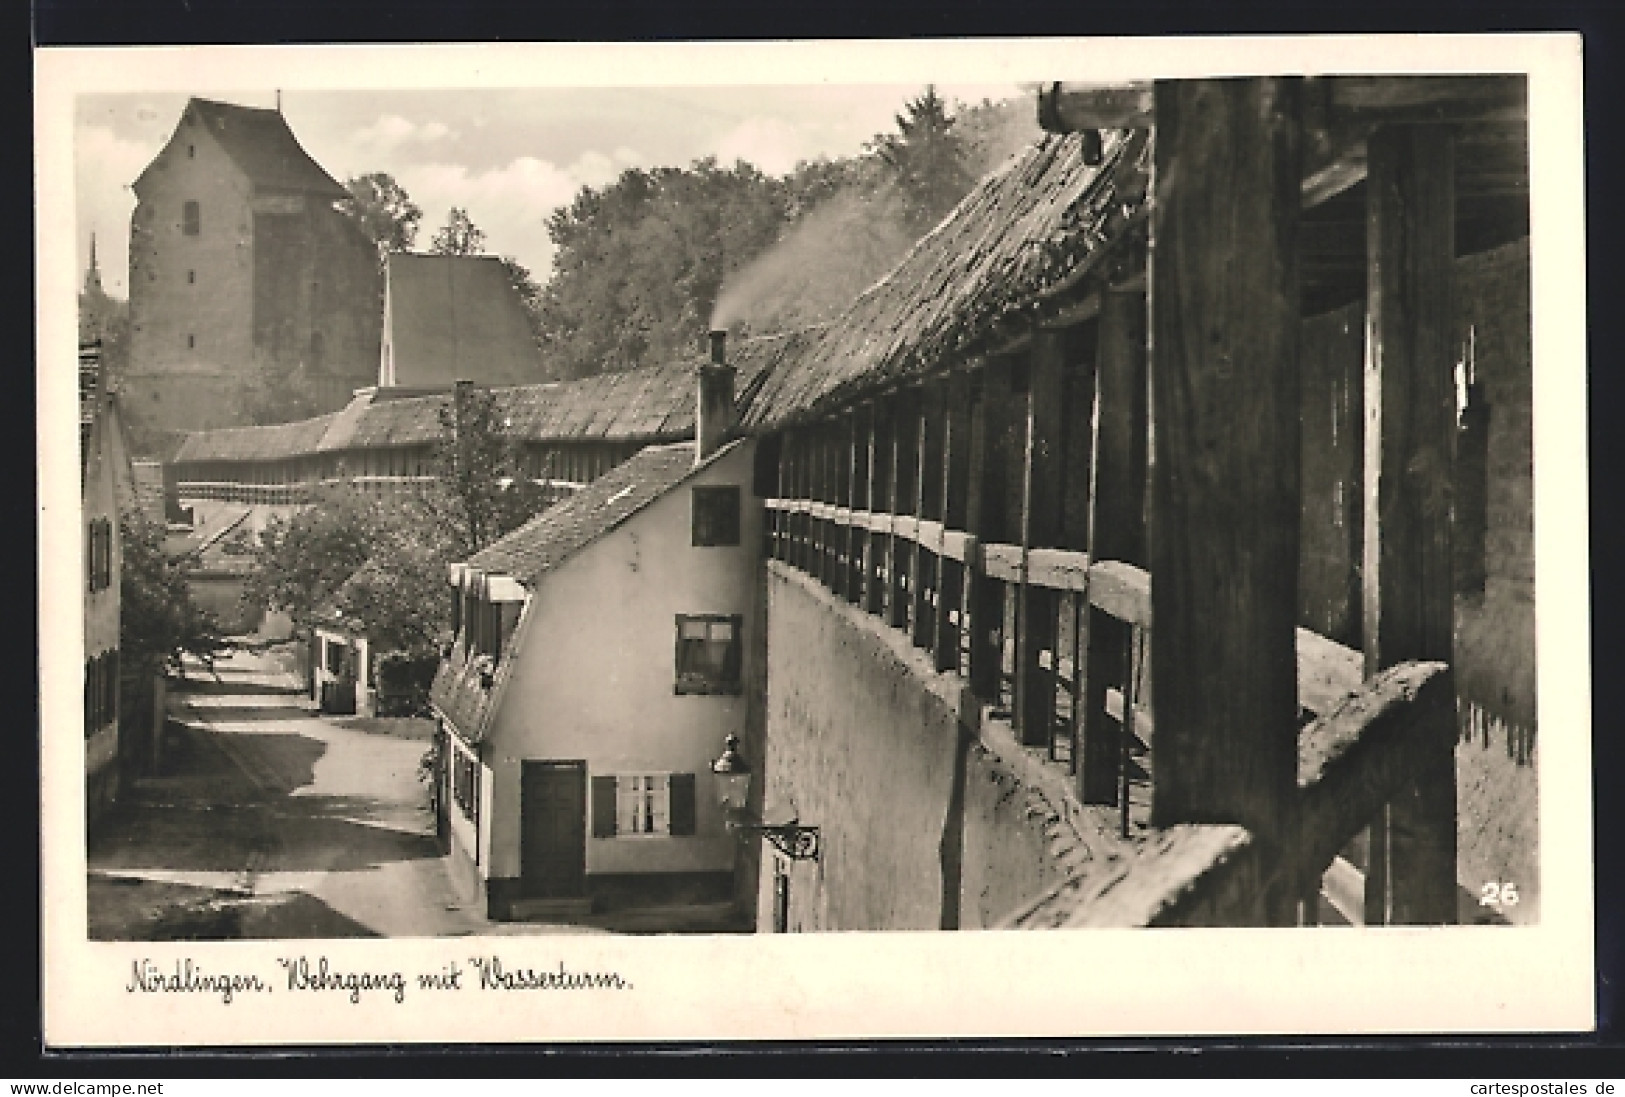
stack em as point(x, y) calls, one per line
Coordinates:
point(733, 775)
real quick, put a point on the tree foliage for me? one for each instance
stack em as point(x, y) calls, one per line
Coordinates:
point(640, 263)
point(644, 265)
point(383, 210)
point(159, 622)
point(482, 491)
point(381, 567)
point(458, 236)
point(301, 561)
point(927, 159)
point(529, 291)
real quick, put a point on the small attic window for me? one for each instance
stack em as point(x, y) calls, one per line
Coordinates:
point(716, 516)
point(191, 152)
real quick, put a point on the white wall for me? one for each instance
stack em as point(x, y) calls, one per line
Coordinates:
point(595, 673)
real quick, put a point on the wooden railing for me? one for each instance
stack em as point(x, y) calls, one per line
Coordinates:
point(1355, 752)
point(292, 493)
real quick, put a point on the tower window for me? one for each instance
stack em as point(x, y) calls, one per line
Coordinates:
point(191, 277)
point(191, 341)
point(191, 152)
point(191, 219)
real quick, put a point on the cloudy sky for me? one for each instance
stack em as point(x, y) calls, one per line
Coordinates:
point(509, 156)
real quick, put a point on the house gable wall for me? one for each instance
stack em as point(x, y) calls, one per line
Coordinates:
point(593, 677)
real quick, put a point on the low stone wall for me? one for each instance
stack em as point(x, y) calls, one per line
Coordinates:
point(928, 818)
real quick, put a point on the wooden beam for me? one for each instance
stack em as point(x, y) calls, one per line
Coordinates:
point(1183, 876)
point(1365, 750)
point(873, 597)
point(1410, 432)
point(1117, 525)
point(1036, 607)
point(1226, 490)
point(899, 497)
point(926, 426)
point(984, 516)
point(852, 585)
point(951, 508)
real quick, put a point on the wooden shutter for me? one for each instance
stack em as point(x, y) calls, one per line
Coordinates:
point(731, 669)
point(682, 803)
point(603, 807)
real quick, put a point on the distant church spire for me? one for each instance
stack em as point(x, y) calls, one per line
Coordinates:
point(93, 273)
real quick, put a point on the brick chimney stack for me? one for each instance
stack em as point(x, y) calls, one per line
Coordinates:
point(714, 413)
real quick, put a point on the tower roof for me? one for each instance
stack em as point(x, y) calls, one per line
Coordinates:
point(260, 143)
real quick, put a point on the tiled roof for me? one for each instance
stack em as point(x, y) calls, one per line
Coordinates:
point(460, 691)
point(1024, 231)
point(568, 526)
point(254, 443)
point(261, 144)
point(457, 317)
point(653, 404)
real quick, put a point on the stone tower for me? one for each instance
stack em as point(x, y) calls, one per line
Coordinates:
point(244, 278)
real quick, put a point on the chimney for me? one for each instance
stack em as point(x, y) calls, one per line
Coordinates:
point(714, 414)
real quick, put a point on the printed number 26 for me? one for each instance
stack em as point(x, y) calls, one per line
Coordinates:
point(1497, 894)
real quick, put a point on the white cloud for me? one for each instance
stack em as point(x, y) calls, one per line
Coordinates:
point(391, 132)
point(104, 167)
point(511, 203)
point(771, 144)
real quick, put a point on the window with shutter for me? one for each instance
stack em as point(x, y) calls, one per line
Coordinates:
point(191, 219)
point(681, 792)
point(603, 807)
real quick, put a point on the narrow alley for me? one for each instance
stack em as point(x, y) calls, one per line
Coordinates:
point(269, 821)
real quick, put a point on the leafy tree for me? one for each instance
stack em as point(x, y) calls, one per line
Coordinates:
point(992, 132)
point(927, 159)
point(529, 291)
point(481, 491)
point(640, 263)
point(382, 567)
point(458, 236)
point(302, 561)
point(383, 210)
point(159, 623)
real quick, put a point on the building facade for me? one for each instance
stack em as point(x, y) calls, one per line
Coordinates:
point(106, 481)
point(604, 652)
point(243, 272)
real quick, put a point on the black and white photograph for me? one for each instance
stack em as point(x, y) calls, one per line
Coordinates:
point(718, 530)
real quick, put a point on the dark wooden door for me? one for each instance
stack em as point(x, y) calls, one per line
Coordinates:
point(553, 838)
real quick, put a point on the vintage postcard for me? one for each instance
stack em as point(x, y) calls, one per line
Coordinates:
point(813, 540)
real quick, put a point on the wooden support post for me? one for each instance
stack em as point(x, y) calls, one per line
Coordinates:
point(841, 455)
point(897, 503)
point(874, 594)
point(776, 518)
point(985, 516)
point(1225, 314)
point(1409, 448)
point(1037, 608)
point(834, 535)
point(814, 483)
point(951, 509)
point(1117, 526)
point(826, 494)
point(926, 428)
point(858, 499)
